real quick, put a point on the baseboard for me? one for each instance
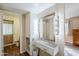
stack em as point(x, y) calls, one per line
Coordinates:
point(24, 53)
point(69, 42)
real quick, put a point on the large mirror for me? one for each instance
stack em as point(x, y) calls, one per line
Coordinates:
point(47, 27)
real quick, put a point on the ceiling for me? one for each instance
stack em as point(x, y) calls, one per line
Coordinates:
point(71, 10)
point(25, 7)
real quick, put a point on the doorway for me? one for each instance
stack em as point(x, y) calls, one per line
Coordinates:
point(11, 38)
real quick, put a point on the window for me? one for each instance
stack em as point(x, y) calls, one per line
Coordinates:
point(7, 27)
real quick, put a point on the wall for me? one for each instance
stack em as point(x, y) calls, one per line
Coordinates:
point(29, 28)
point(59, 10)
point(27, 25)
point(22, 35)
point(71, 10)
point(34, 29)
point(26, 31)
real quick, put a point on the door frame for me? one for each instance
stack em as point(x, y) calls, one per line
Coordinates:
point(1, 35)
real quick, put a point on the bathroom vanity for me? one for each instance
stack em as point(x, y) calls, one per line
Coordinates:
point(46, 46)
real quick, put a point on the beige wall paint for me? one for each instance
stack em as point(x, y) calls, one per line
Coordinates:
point(74, 24)
point(16, 29)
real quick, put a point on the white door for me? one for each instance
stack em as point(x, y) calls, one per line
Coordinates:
point(1, 37)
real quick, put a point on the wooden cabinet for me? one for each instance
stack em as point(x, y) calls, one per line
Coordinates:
point(75, 33)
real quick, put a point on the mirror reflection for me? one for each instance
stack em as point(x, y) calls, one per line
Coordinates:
point(47, 27)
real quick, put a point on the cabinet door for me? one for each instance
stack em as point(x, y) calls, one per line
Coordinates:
point(76, 37)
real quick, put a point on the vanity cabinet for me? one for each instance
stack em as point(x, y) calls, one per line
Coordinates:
point(75, 33)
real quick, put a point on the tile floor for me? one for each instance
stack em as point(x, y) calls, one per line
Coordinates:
point(71, 50)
